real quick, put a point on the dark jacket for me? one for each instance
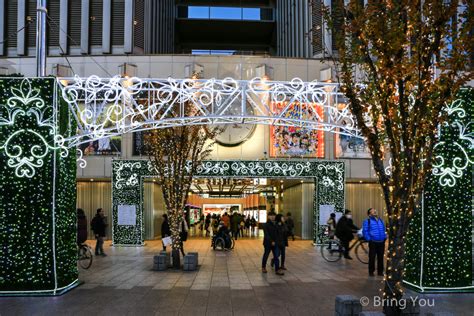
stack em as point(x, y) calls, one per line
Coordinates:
point(374, 230)
point(282, 235)
point(234, 222)
point(98, 225)
point(165, 229)
point(81, 229)
point(290, 224)
point(345, 228)
point(270, 232)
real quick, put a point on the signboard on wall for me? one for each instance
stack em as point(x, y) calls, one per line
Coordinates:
point(291, 141)
point(127, 215)
point(325, 211)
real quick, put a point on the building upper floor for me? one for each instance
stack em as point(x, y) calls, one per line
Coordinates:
point(285, 28)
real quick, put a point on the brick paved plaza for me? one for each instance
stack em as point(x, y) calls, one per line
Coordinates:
point(225, 284)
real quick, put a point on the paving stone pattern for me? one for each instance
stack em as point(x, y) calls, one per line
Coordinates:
point(225, 283)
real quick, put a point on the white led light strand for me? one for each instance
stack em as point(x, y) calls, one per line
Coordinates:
point(26, 158)
point(106, 107)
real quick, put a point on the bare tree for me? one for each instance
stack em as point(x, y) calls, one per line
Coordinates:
point(176, 153)
point(414, 56)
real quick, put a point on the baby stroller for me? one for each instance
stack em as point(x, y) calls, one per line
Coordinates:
point(222, 240)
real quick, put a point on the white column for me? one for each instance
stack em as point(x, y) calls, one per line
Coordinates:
point(21, 36)
point(106, 26)
point(2, 27)
point(128, 27)
point(327, 34)
point(85, 27)
point(63, 22)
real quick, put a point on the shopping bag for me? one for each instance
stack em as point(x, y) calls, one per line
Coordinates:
point(166, 241)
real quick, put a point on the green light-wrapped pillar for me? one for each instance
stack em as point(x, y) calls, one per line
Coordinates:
point(439, 244)
point(37, 190)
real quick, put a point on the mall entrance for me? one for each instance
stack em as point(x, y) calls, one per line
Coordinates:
point(306, 187)
point(251, 199)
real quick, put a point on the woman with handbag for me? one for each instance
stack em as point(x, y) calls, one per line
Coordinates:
point(165, 230)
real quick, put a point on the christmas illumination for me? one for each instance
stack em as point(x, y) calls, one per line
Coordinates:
point(400, 64)
point(128, 177)
point(439, 244)
point(108, 107)
point(37, 190)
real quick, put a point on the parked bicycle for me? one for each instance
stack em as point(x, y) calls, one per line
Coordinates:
point(84, 254)
point(332, 250)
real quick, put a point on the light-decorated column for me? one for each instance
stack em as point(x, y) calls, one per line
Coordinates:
point(37, 190)
point(439, 243)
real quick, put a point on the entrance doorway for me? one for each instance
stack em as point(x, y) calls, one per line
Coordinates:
point(325, 182)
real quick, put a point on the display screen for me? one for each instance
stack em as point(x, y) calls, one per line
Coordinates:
point(290, 141)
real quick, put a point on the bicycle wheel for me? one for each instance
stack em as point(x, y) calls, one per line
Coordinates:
point(331, 250)
point(362, 252)
point(85, 257)
point(219, 244)
point(232, 243)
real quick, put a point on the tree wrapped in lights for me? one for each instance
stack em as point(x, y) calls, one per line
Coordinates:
point(176, 153)
point(400, 63)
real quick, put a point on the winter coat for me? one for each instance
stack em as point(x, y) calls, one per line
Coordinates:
point(282, 235)
point(373, 229)
point(235, 222)
point(165, 229)
point(290, 224)
point(345, 228)
point(81, 229)
point(98, 225)
point(270, 232)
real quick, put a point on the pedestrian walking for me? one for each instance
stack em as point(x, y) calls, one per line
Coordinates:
point(253, 225)
point(247, 226)
point(81, 226)
point(207, 224)
point(270, 232)
point(373, 229)
point(281, 241)
point(290, 224)
point(98, 225)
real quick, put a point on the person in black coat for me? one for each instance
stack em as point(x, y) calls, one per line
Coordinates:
point(98, 226)
point(270, 238)
point(165, 229)
point(345, 230)
point(281, 241)
point(81, 226)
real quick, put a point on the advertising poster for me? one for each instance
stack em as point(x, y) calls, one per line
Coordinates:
point(296, 141)
point(105, 146)
point(351, 147)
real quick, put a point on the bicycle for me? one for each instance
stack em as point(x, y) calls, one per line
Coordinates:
point(332, 250)
point(84, 254)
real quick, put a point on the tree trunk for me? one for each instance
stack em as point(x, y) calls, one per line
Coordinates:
point(402, 206)
point(393, 292)
point(175, 237)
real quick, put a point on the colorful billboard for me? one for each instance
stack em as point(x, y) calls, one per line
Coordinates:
point(286, 141)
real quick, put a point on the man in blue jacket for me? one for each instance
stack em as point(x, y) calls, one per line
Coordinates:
point(374, 232)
